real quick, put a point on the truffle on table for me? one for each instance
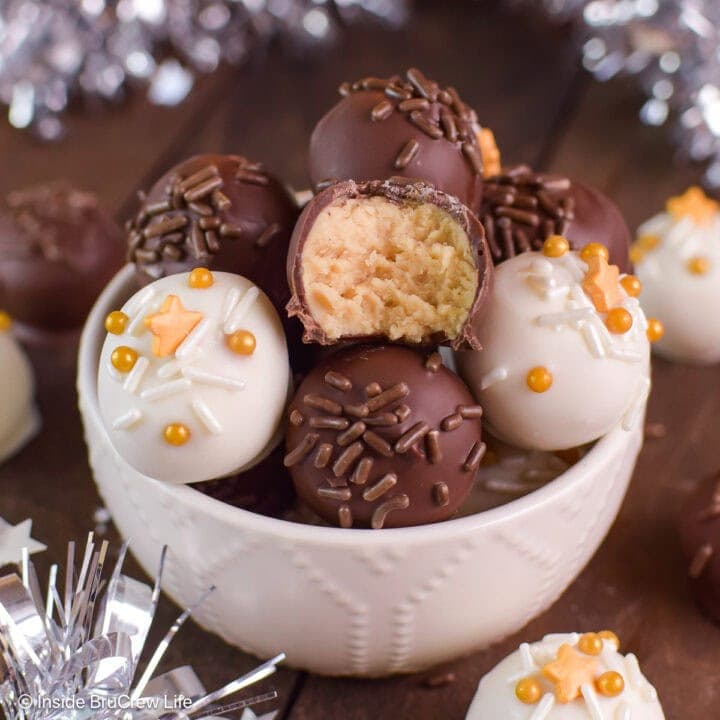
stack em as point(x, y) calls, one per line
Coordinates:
point(394, 259)
point(568, 676)
point(700, 538)
point(408, 126)
point(520, 209)
point(383, 436)
point(58, 250)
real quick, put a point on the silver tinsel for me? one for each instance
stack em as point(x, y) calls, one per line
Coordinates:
point(673, 47)
point(54, 50)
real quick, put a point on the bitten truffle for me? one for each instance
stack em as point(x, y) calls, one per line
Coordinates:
point(394, 259)
point(223, 212)
point(521, 209)
point(568, 676)
point(383, 437)
point(566, 349)
point(407, 126)
point(193, 377)
point(700, 538)
point(58, 250)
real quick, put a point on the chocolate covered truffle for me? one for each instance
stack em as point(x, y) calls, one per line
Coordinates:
point(383, 437)
point(407, 126)
point(520, 209)
point(222, 212)
point(58, 249)
point(700, 538)
point(394, 259)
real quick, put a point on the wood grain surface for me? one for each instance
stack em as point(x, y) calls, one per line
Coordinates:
point(523, 78)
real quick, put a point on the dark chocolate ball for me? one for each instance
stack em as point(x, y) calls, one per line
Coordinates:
point(408, 126)
point(266, 488)
point(521, 208)
point(58, 249)
point(383, 436)
point(388, 260)
point(700, 538)
point(217, 211)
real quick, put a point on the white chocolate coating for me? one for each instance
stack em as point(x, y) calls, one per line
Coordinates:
point(495, 697)
point(539, 316)
point(686, 303)
point(19, 420)
point(232, 404)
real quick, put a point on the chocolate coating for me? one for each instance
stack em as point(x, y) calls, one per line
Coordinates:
point(58, 249)
point(383, 436)
point(400, 191)
point(699, 526)
point(239, 222)
point(266, 488)
point(400, 126)
point(521, 208)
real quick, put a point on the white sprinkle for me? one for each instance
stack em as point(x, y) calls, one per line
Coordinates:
point(575, 266)
point(592, 339)
point(562, 318)
point(591, 700)
point(229, 303)
point(165, 390)
point(200, 376)
point(169, 369)
point(556, 291)
point(625, 355)
point(634, 411)
point(234, 322)
point(539, 266)
point(544, 707)
point(129, 419)
point(114, 374)
point(623, 711)
point(204, 414)
point(135, 376)
point(190, 343)
point(527, 658)
point(494, 376)
point(137, 324)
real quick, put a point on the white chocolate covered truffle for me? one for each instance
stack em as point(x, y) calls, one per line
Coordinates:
point(677, 259)
point(19, 419)
point(194, 377)
point(567, 677)
point(565, 353)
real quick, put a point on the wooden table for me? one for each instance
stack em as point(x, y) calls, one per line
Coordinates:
point(523, 78)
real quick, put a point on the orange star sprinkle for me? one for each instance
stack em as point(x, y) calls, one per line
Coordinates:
point(489, 152)
point(171, 325)
point(602, 284)
point(569, 672)
point(693, 203)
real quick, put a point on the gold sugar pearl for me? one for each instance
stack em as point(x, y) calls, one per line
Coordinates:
point(528, 691)
point(637, 254)
point(555, 246)
point(201, 278)
point(610, 684)
point(123, 358)
point(590, 644)
point(631, 285)
point(610, 636)
point(176, 434)
point(539, 379)
point(116, 322)
point(618, 321)
point(648, 242)
point(592, 249)
point(698, 265)
point(241, 342)
point(655, 330)
point(5, 321)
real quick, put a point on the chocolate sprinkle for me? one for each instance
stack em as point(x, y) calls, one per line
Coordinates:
point(441, 494)
point(323, 455)
point(373, 389)
point(399, 502)
point(452, 422)
point(362, 471)
point(298, 454)
point(377, 490)
point(397, 392)
point(475, 456)
point(470, 412)
point(342, 494)
point(413, 435)
point(378, 444)
point(432, 447)
point(338, 381)
point(346, 460)
point(345, 518)
point(329, 422)
point(322, 403)
point(434, 362)
point(351, 434)
point(296, 418)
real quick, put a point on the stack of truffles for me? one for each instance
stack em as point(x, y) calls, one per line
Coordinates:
point(267, 349)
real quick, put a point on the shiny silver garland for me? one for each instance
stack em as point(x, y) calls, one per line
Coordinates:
point(75, 654)
point(53, 51)
point(673, 47)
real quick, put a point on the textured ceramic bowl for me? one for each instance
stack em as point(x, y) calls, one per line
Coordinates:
point(357, 602)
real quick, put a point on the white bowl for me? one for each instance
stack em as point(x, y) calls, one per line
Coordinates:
point(357, 602)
